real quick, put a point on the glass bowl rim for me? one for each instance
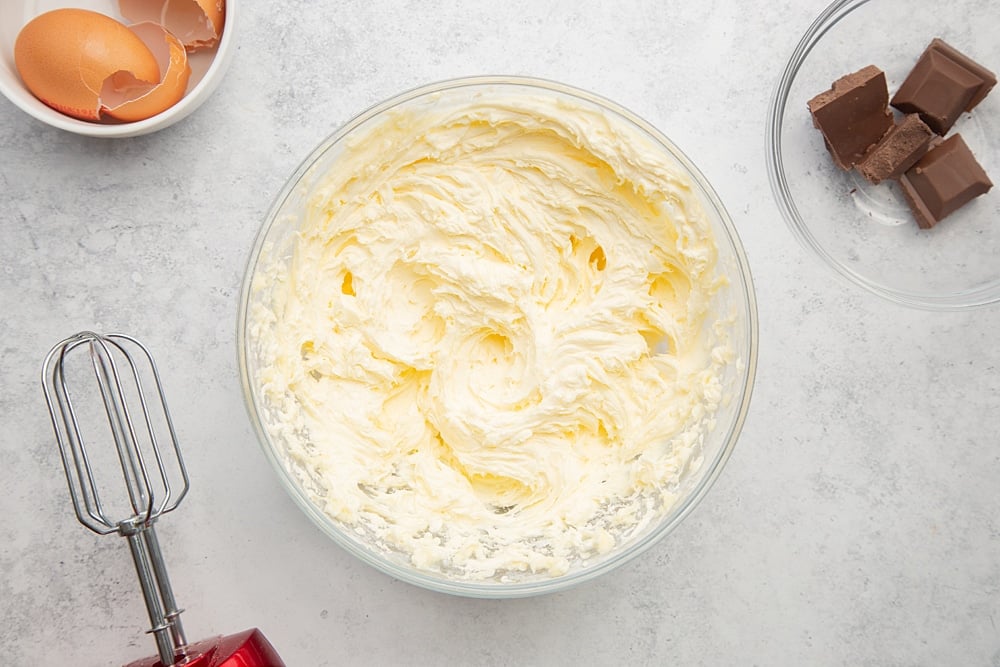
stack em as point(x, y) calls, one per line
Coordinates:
point(953, 301)
point(472, 588)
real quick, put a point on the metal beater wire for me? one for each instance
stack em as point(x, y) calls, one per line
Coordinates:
point(138, 477)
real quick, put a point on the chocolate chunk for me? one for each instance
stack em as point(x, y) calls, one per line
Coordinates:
point(946, 178)
point(899, 149)
point(853, 115)
point(942, 85)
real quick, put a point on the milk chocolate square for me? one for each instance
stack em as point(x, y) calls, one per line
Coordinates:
point(942, 85)
point(853, 115)
point(899, 150)
point(946, 178)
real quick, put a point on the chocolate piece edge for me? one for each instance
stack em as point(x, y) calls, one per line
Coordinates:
point(911, 138)
point(846, 157)
point(954, 145)
point(988, 78)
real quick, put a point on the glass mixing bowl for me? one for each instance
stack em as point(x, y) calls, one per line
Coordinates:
point(865, 232)
point(733, 304)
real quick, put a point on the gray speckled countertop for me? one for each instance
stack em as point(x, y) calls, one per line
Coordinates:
point(857, 523)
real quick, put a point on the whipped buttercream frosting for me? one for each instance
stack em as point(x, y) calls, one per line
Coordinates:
point(488, 348)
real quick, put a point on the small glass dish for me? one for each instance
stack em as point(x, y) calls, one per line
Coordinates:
point(275, 250)
point(866, 232)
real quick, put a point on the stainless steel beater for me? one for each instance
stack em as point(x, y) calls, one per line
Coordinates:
point(129, 409)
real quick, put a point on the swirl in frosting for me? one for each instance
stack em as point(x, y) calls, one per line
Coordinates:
point(489, 350)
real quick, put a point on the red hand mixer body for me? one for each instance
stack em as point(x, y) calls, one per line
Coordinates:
point(129, 410)
point(244, 649)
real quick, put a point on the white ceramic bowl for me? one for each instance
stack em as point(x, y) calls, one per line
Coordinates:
point(866, 232)
point(207, 69)
point(273, 254)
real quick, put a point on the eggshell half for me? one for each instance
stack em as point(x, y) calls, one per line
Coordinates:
point(65, 56)
point(173, 62)
point(197, 23)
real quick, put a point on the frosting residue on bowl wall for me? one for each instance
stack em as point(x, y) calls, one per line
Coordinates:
point(491, 347)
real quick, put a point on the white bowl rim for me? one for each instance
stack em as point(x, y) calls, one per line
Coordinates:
point(20, 97)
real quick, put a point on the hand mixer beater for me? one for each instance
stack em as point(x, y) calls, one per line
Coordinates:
point(123, 419)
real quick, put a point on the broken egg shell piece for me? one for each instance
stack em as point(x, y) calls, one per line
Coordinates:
point(139, 104)
point(197, 23)
point(66, 56)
